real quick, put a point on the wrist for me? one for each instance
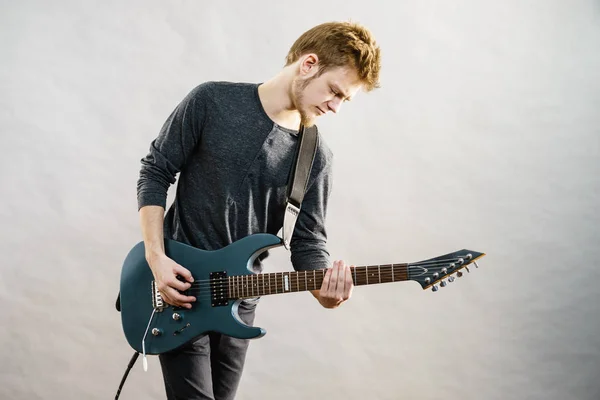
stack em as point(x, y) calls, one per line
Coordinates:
point(152, 255)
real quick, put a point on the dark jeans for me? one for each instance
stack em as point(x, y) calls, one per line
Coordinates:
point(209, 368)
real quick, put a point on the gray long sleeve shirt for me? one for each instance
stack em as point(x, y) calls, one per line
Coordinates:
point(233, 163)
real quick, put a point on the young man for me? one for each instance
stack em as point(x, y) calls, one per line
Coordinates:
point(233, 145)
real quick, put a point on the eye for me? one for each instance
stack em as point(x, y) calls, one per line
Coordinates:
point(333, 91)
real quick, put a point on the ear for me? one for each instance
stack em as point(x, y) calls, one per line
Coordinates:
point(309, 65)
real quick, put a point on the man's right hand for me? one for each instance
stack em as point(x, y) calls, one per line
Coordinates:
point(166, 272)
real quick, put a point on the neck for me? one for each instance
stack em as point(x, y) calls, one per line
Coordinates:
point(276, 98)
point(253, 285)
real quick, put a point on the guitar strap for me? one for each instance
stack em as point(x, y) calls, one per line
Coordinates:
point(298, 180)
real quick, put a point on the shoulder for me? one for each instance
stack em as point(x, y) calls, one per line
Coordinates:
point(222, 90)
point(324, 156)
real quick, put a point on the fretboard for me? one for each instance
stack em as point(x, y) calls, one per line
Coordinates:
point(286, 282)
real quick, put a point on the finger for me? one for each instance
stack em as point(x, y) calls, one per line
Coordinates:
point(183, 272)
point(178, 284)
point(326, 279)
point(179, 299)
point(335, 271)
point(341, 280)
point(349, 286)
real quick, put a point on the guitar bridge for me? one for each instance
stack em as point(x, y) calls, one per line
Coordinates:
point(157, 302)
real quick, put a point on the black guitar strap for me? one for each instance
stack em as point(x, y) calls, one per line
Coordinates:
point(308, 139)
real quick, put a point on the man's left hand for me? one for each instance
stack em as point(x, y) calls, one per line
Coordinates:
point(337, 285)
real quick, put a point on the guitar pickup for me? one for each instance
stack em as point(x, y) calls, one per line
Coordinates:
point(219, 291)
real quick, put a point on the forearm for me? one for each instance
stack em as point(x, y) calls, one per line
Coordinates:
point(151, 221)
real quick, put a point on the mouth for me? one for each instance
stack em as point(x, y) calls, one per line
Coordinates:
point(321, 112)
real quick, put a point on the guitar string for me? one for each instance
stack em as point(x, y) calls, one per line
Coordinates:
point(250, 288)
point(238, 285)
point(359, 270)
point(383, 277)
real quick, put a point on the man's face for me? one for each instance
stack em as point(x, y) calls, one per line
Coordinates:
point(314, 96)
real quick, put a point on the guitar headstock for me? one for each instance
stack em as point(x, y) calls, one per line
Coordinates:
point(442, 269)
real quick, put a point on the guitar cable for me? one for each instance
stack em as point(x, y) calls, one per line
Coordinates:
point(129, 366)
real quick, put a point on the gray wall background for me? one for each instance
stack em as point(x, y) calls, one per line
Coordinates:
point(485, 135)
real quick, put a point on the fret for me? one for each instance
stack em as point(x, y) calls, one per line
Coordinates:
point(379, 272)
point(367, 274)
point(393, 280)
point(305, 281)
point(354, 270)
point(297, 282)
point(314, 279)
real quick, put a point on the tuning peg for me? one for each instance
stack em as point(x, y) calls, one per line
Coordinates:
point(467, 268)
point(443, 283)
point(434, 288)
point(459, 274)
point(475, 262)
point(451, 279)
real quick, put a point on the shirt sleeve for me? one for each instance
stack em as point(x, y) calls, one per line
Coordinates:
point(176, 141)
point(308, 246)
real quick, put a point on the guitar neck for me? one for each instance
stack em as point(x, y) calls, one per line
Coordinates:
point(256, 285)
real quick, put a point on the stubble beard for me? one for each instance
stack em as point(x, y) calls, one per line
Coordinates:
point(298, 87)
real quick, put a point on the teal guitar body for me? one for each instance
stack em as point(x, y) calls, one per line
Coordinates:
point(162, 327)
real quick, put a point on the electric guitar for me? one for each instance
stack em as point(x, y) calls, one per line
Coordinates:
point(222, 278)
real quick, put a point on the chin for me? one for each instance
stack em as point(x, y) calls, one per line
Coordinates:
point(308, 119)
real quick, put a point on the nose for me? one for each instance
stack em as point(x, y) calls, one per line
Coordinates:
point(335, 104)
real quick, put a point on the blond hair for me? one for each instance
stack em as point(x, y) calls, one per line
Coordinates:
point(341, 44)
